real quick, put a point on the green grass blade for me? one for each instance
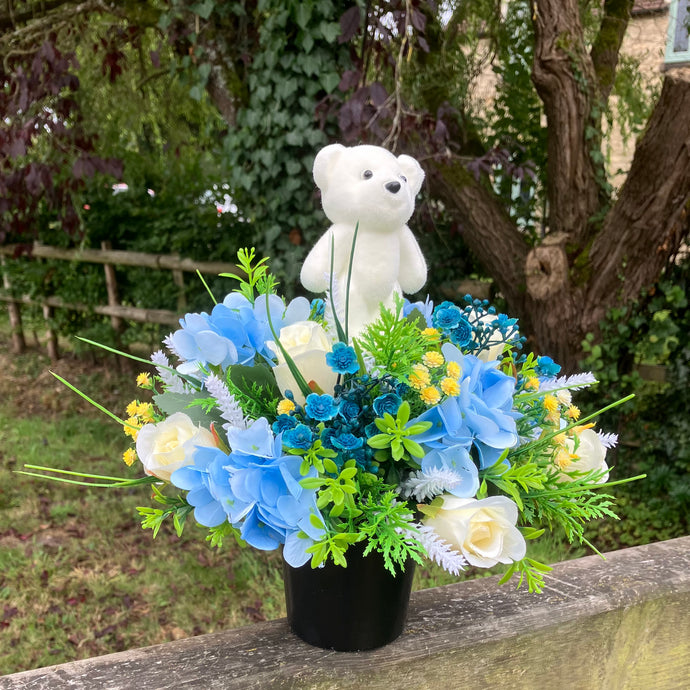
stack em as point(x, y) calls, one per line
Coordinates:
point(205, 284)
point(189, 379)
point(349, 277)
point(296, 373)
point(338, 326)
point(97, 405)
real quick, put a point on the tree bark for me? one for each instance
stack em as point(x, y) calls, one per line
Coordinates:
point(607, 44)
point(564, 78)
point(651, 216)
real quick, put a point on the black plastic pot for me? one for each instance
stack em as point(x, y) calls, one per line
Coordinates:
point(348, 609)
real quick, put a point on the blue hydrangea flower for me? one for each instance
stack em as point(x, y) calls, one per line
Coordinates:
point(388, 402)
point(209, 500)
point(482, 415)
point(300, 436)
point(457, 459)
point(446, 316)
point(342, 359)
point(320, 407)
point(259, 494)
point(425, 308)
point(198, 343)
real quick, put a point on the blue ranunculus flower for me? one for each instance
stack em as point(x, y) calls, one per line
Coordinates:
point(347, 442)
point(349, 410)
point(547, 367)
point(388, 402)
point(283, 423)
point(342, 359)
point(318, 307)
point(327, 436)
point(446, 316)
point(300, 436)
point(320, 407)
point(462, 333)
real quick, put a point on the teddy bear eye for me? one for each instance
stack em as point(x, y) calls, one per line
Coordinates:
point(367, 174)
point(403, 178)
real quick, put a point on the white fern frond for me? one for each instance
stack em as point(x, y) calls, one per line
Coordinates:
point(440, 551)
point(432, 482)
point(608, 440)
point(574, 382)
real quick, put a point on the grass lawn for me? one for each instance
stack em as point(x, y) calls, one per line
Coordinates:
point(78, 576)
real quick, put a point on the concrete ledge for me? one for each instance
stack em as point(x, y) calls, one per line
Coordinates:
point(619, 623)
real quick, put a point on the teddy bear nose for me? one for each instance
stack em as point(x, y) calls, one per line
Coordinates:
point(393, 187)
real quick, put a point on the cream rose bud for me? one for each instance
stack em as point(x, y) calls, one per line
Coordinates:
point(590, 453)
point(482, 530)
point(307, 344)
point(169, 445)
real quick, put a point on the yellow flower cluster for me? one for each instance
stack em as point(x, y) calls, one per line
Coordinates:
point(433, 380)
point(139, 413)
point(285, 406)
point(144, 380)
point(129, 456)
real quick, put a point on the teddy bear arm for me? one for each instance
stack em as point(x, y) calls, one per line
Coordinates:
point(412, 273)
point(316, 267)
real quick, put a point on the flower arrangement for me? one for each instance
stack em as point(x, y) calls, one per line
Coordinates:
point(429, 434)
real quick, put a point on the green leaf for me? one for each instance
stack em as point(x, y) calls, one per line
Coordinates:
point(316, 521)
point(379, 441)
point(330, 466)
point(348, 473)
point(311, 482)
point(203, 9)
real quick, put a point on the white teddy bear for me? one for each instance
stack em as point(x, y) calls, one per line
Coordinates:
point(369, 186)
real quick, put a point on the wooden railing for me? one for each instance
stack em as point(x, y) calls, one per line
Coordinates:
point(600, 624)
point(114, 309)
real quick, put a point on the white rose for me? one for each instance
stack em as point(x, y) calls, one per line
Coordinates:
point(307, 344)
point(482, 530)
point(589, 455)
point(169, 445)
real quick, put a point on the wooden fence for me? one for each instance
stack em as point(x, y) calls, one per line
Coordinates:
point(599, 625)
point(117, 312)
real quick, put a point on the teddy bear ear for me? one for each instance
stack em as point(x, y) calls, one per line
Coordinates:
point(412, 171)
point(324, 163)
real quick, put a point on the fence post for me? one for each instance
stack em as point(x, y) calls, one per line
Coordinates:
point(178, 279)
point(51, 336)
point(15, 314)
point(111, 286)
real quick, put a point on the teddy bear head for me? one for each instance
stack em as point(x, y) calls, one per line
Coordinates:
point(367, 185)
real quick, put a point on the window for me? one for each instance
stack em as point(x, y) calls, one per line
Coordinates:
point(678, 37)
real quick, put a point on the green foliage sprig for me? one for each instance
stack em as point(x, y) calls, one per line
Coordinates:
point(386, 524)
point(175, 507)
point(395, 434)
point(394, 341)
point(258, 280)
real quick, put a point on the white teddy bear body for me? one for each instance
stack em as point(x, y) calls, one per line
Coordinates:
point(368, 187)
